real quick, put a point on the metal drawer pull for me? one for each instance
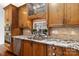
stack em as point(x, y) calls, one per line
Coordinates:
point(53, 47)
point(53, 54)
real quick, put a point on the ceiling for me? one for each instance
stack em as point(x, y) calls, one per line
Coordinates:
point(16, 4)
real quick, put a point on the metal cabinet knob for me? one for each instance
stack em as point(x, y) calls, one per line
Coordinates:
point(54, 54)
point(53, 47)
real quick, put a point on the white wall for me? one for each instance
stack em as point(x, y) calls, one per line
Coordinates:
point(1, 25)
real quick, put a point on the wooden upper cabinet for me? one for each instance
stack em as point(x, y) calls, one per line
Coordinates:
point(8, 14)
point(55, 14)
point(72, 14)
point(24, 21)
point(11, 15)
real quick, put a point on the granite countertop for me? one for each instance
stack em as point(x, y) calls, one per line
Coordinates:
point(58, 42)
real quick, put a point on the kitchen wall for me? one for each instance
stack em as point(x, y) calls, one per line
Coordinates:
point(26, 32)
point(65, 33)
point(1, 25)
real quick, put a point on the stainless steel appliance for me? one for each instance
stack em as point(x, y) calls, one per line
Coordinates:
point(8, 33)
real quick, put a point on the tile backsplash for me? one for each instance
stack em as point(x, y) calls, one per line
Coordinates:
point(65, 33)
point(26, 32)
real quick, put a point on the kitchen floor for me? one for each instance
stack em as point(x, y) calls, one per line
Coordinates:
point(4, 52)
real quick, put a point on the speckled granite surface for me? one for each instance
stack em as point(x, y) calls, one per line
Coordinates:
point(63, 43)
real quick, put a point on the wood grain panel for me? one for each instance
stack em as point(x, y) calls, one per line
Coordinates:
point(39, 49)
point(24, 21)
point(72, 14)
point(56, 14)
point(27, 48)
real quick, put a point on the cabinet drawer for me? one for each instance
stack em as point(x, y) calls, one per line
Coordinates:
point(59, 51)
point(71, 52)
point(50, 50)
point(54, 50)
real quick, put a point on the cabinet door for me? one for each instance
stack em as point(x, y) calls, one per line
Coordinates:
point(39, 49)
point(72, 14)
point(11, 16)
point(54, 50)
point(59, 51)
point(55, 14)
point(20, 17)
point(8, 14)
point(50, 51)
point(11, 45)
point(24, 21)
point(14, 17)
point(27, 48)
point(71, 52)
point(24, 16)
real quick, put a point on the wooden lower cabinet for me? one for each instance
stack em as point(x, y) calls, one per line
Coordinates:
point(27, 48)
point(71, 52)
point(59, 51)
point(33, 49)
point(30, 48)
point(54, 50)
point(39, 49)
point(11, 45)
